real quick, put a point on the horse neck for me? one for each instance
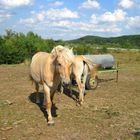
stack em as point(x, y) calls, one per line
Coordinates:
point(49, 68)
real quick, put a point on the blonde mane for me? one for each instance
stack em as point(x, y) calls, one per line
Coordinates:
point(64, 52)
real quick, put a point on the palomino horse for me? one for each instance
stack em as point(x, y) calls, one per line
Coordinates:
point(49, 69)
point(80, 69)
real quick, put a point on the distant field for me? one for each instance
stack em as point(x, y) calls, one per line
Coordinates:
point(111, 112)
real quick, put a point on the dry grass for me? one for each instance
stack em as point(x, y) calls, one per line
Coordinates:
point(111, 112)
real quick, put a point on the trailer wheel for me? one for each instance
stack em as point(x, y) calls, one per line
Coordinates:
point(91, 83)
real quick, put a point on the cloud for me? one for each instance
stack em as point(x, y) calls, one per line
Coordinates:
point(109, 17)
point(61, 14)
point(72, 29)
point(87, 27)
point(89, 4)
point(61, 22)
point(27, 21)
point(51, 14)
point(40, 15)
point(133, 22)
point(71, 25)
point(57, 3)
point(126, 4)
point(15, 3)
point(94, 19)
point(4, 15)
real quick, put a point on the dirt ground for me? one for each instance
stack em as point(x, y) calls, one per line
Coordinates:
point(111, 112)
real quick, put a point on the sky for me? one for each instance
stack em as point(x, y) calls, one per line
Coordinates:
point(71, 19)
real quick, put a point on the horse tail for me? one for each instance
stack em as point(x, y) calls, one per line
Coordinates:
point(95, 70)
point(92, 67)
point(88, 63)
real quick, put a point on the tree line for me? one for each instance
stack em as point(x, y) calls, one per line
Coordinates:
point(18, 47)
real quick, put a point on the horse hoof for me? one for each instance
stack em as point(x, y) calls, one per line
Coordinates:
point(50, 123)
point(78, 104)
point(81, 103)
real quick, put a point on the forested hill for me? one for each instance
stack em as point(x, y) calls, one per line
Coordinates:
point(129, 41)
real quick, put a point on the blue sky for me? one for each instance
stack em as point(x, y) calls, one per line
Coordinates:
point(70, 19)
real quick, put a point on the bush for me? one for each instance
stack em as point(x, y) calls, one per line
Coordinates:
point(16, 47)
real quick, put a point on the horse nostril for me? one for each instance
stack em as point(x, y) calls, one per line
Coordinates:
point(65, 83)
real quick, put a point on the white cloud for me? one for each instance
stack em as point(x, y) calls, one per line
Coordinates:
point(61, 14)
point(56, 3)
point(73, 25)
point(27, 21)
point(118, 15)
point(94, 19)
point(82, 27)
point(40, 15)
point(4, 15)
point(90, 4)
point(14, 3)
point(133, 22)
point(47, 16)
point(126, 3)
point(55, 14)
point(109, 18)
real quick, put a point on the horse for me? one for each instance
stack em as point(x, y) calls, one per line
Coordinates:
point(81, 67)
point(80, 70)
point(48, 69)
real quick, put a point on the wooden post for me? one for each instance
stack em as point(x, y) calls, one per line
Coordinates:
point(117, 71)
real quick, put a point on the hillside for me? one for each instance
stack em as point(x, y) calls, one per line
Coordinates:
point(130, 41)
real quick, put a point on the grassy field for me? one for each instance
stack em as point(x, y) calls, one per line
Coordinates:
point(111, 112)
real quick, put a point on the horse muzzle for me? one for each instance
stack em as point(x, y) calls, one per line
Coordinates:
point(66, 82)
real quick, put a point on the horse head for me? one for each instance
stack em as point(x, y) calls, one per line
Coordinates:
point(64, 59)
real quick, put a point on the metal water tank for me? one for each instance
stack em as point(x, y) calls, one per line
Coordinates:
point(105, 60)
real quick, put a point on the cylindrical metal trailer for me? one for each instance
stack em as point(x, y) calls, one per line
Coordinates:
point(106, 61)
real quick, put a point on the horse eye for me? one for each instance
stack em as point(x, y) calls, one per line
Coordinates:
point(59, 64)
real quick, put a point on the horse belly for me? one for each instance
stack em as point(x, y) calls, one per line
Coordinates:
point(36, 75)
point(37, 66)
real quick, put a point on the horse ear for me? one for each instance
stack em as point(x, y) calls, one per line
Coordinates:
point(71, 49)
point(54, 54)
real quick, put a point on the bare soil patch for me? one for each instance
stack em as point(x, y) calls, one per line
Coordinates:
point(111, 112)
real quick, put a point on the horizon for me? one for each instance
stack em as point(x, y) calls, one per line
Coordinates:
point(63, 20)
point(103, 36)
point(75, 38)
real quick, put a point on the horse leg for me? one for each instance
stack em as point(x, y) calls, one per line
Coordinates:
point(52, 94)
point(80, 87)
point(37, 93)
point(48, 104)
point(70, 88)
point(60, 88)
point(55, 87)
point(85, 74)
